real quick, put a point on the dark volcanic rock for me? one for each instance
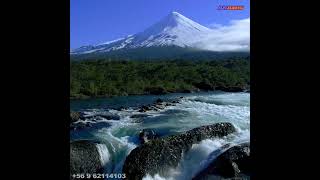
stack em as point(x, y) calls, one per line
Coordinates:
point(146, 135)
point(233, 163)
point(84, 158)
point(158, 155)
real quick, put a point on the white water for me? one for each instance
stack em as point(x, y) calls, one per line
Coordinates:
point(104, 153)
point(193, 111)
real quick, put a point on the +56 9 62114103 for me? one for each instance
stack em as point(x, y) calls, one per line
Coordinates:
point(98, 176)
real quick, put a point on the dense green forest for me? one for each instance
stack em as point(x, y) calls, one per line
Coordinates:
point(95, 78)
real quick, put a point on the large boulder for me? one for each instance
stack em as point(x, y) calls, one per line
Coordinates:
point(233, 163)
point(84, 158)
point(158, 155)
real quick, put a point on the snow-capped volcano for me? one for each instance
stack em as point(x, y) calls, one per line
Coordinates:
point(173, 30)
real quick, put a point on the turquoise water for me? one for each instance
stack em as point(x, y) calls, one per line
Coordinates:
point(127, 101)
point(119, 137)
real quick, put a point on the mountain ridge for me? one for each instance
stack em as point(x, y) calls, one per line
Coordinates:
point(174, 30)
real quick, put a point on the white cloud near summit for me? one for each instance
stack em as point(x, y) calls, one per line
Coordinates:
point(232, 37)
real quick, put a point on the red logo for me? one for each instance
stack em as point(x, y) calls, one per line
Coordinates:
point(230, 7)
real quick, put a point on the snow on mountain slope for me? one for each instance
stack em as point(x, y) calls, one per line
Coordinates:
point(173, 30)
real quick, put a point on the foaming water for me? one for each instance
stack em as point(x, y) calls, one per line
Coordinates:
point(156, 177)
point(104, 153)
point(119, 137)
point(120, 146)
point(238, 99)
point(195, 158)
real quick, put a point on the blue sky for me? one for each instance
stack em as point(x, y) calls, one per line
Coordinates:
point(97, 21)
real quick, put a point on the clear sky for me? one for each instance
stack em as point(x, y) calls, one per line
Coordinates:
point(98, 21)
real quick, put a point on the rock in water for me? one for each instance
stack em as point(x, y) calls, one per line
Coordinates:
point(146, 135)
point(158, 155)
point(145, 108)
point(109, 116)
point(74, 116)
point(84, 158)
point(159, 101)
point(233, 163)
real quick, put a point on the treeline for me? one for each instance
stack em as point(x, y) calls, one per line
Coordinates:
point(119, 78)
